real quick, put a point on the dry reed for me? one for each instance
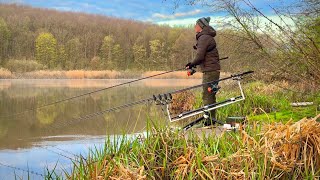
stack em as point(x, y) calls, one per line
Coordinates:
point(101, 74)
point(74, 74)
point(5, 74)
point(281, 151)
point(293, 145)
point(182, 102)
point(105, 74)
point(42, 74)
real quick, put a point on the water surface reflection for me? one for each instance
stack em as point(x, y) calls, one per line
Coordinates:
point(26, 138)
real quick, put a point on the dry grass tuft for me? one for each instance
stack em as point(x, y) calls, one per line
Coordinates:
point(75, 74)
point(281, 151)
point(121, 172)
point(5, 74)
point(43, 74)
point(101, 74)
point(294, 145)
point(182, 102)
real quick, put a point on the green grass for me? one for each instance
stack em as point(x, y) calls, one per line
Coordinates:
point(293, 114)
point(165, 153)
point(272, 106)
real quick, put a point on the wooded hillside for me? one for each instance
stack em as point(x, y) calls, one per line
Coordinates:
point(67, 40)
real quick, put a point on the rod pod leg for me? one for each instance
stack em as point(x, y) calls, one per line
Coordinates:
point(205, 116)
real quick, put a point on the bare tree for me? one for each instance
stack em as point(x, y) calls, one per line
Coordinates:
point(287, 43)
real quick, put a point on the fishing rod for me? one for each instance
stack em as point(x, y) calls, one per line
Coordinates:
point(209, 107)
point(95, 91)
point(161, 99)
point(89, 93)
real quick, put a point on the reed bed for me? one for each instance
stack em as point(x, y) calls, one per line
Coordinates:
point(84, 74)
point(72, 74)
point(5, 74)
point(101, 74)
point(257, 151)
point(294, 146)
point(42, 74)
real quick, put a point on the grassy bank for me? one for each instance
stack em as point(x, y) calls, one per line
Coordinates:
point(83, 74)
point(263, 102)
point(275, 143)
point(285, 151)
point(270, 102)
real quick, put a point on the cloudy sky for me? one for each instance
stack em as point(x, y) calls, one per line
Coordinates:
point(155, 11)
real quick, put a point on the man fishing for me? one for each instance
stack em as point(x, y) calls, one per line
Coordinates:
point(208, 58)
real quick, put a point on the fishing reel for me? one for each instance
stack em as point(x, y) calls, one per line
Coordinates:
point(191, 71)
point(213, 88)
point(163, 99)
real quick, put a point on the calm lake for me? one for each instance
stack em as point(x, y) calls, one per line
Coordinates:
point(49, 137)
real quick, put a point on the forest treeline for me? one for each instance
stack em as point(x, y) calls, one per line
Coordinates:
point(34, 39)
point(43, 38)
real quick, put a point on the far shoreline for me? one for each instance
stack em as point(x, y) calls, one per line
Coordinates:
point(87, 74)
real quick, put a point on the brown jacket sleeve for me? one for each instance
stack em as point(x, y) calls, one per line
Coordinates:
point(202, 46)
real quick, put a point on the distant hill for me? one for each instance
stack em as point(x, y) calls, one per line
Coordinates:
point(87, 41)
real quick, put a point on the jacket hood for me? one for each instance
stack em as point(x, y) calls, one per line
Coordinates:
point(207, 30)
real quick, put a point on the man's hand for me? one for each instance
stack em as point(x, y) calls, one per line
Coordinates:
point(189, 66)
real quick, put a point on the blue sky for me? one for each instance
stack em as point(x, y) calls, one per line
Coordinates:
point(154, 11)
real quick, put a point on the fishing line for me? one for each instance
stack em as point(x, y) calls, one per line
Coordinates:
point(79, 156)
point(62, 155)
point(88, 93)
point(23, 170)
point(92, 92)
point(147, 100)
point(39, 174)
point(144, 101)
point(70, 122)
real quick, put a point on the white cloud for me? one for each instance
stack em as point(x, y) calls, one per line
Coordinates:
point(62, 8)
point(215, 21)
point(81, 7)
point(11, 1)
point(179, 22)
point(220, 22)
point(176, 15)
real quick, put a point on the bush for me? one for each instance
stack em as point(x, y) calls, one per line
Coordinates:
point(23, 65)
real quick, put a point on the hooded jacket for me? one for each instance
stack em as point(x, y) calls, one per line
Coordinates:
point(207, 54)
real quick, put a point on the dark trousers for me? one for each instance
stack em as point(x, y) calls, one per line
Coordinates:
point(207, 97)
